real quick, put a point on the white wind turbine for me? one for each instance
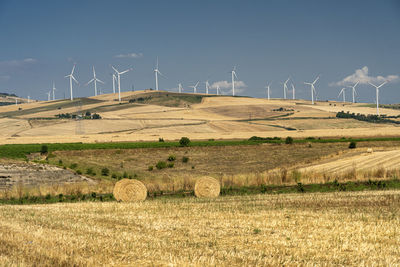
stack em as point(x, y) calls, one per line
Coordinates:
point(94, 80)
point(218, 89)
point(48, 95)
point(354, 91)
point(268, 91)
point(29, 99)
point(312, 89)
point(207, 86)
point(377, 95)
point(114, 78)
point(156, 72)
point(233, 72)
point(71, 77)
point(119, 80)
point(343, 93)
point(293, 91)
point(180, 88)
point(54, 91)
point(285, 88)
point(194, 87)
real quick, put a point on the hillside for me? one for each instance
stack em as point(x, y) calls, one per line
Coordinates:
point(149, 115)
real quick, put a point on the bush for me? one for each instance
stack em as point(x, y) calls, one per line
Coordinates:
point(79, 172)
point(89, 171)
point(44, 149)
point(161, 165)
point(289, 140)
point(184, 141)
point(170, 165)
point(105, 172)
point(73, 166)
point(352, 145)
point(114, 176)
point(125, 175)
point(150, 168)
point(161, 139)
point(171, 158)
point(185, 159)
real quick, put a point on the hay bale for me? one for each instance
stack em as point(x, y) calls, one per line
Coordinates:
point(369, 150)
point(207, 187)
point(128, 190)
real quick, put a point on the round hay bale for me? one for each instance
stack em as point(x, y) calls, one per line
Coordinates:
point(369, 150)
point(128, 190)
point(207, 187)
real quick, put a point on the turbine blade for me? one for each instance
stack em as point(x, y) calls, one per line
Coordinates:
point(73, 68)
point(114, 69)
point(100, 81)
point(89, 82)
point(315, 80)
point(73, 78)
point(385, 82)
point(372, 84)
point(125, 71)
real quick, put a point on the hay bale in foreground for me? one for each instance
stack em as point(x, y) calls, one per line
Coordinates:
point(207, 187)
point(128, 190)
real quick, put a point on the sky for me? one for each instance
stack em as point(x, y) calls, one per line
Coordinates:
point(268, 41)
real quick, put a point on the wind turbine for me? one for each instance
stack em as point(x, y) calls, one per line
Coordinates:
point(54, 89)
point(285, 88)
point(94, 80)
point(268, 90)
point(48, 95)
point(119, 80)
point(156, 72)
point(218, 89)
point(194, 87)
point(293, 91)
point(343, 92)
point(71, 77)
point(377, 95)
point(233, 72)
point(207, 86)
point(354, 91)
point(16, 102)
point(114, 78)
point(180, 88)
point(312, 89)
point(29, 99)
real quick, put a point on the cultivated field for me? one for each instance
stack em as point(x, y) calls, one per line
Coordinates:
point(301, 229)
point(149, 115)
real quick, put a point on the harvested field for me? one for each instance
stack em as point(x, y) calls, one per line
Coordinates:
point(301, 229)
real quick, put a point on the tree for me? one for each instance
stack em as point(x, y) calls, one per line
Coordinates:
point(44, 149)
point(289, 140)
point(184, 141)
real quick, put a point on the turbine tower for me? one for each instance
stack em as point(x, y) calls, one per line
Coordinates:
point(377, 95)
point(354, 91)
point(218, 89)
point(194, 87)
point(233, 72)
point(293, 91)
point(268, 91)
point(312, 89)
point(94, 80)
point(54, 89)
point(156, 72)
point(48, 95)
point(343, 93)
point(285, 89)
point(114, 78)
point(207, 86)
point(119, 80)
point(71, 77)
point(180, 88)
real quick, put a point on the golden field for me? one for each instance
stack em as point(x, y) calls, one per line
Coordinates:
point(294, 229)
point(171, 116)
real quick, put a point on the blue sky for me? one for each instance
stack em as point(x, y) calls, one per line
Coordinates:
point(201, 40)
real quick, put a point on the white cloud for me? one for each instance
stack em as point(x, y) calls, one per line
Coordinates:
point(17, 63)
point(130, 55)
point(226, 86)
point(361, 76)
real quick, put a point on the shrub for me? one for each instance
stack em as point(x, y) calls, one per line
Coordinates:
point(105, 172)
point(161, 165)
point(73, 166)
point(170, 165)
point(79, 172)
point(184, 141)
point(44, 149)
point(352, 145)
point(171, 158)
point(289, 140)
point(161, 139)
point(125, 175)
point(60, 162)
point(114, 176)
point(150, 168)
point(185, 159)
point(89, 171)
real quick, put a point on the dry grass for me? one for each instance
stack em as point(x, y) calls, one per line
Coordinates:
point(313, 229)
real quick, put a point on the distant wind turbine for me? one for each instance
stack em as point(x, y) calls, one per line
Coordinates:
point(268, 91)
point(48, 95)
point(119, 80)
point(343, 93)
point(94, 80)
point(218, 89)
point(354, 91)
point(71, 77)
point(207, 86)
point(114, 78)
point(293, 91)
point(180, 88)
point(54, 91)
point(285, 88)
point(194, 87)
point(233, 72)
point(156, 72)
point(312, 89)
point(377, 95)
